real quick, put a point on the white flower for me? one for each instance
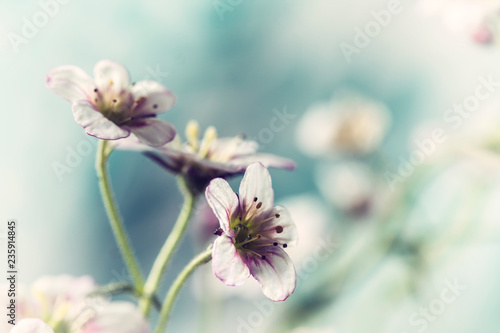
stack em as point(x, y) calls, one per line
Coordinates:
point(110, 108)
point(349, 125)
point(31, 325)
point(64, 303)
point(252, 234)
point(478, 18)
point(348, 185)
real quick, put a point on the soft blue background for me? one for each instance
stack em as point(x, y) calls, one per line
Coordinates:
point(230, 73)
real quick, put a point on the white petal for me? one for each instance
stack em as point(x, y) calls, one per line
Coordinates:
point(276, 273)
point(227, 263)
point(114, 317)
point(95, 123)
point(155, 103)
point(31, 326)
point(256, 183)
point(288, 230)
point(71, 83)
point(110, 74)
point(152, 131)
point(268, 160)
point(223, 201)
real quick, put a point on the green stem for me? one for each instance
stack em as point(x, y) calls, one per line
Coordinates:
point(169, 247)
point(115, 220)
point(197, 261)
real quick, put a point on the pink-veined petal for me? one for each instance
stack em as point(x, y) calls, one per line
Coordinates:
point(282, 229)
point(31, 325)
point(152, 131)
point(268, 160)
point(95, 123)
point(71, 83)
point(256, 183)
point(276, 273)
point(111, 74)
point(224, 203)
point(155, 103)
point(227, 263)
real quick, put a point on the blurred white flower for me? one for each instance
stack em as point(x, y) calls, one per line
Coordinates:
point(312, 220)
point(350, 186)
point(31, 325)
point(65, 304)
point(352, 125)
point(478, 18)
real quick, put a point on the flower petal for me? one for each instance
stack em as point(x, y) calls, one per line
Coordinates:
point(276, 274)
point(121, 317)
point(31, 325)
point(227, 263)
point(256, 183)
point(287, 229)
point(268, 160)
point(95, 123)
point(152, 131)
point(110, 74)
point(71, 83)
point(153, 98)
point(224, 203)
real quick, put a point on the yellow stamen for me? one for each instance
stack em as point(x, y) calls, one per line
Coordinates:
point(209, 137)
point(192, 134)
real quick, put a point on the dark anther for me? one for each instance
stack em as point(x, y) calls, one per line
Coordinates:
point(275, 244)
point(95, 90)
point(259, 205)
point(255, 199)
point(218, 232)
point(285, 246)
point(277, 215)
point(114, 101)
point(279, 229)
point(259, 236)
point(155, 106)
point(239, 218)
point(264, 257)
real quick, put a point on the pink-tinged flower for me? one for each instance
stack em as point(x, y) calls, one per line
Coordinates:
point(477, 18)
point(203, 160)
point(66, 304)
point(252, 234)
point(110, 108)
point(31, 325)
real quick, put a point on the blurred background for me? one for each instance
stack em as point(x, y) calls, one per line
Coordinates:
point(389, 108)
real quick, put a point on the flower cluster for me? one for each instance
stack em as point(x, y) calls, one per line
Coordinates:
point(253, 232)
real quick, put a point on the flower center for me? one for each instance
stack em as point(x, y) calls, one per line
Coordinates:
point(252, 232)
point(115, 105)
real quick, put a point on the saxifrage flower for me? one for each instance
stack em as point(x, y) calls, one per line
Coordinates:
point(200, 161)
point(252, 234)
point(110, 108)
